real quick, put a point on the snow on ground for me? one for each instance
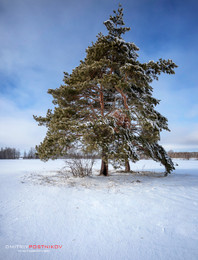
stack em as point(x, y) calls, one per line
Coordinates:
point(124, 216)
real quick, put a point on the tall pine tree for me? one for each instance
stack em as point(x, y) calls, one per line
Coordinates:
point(106, 104)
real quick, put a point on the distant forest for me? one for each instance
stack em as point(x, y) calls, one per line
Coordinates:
point(13, 153)
point(184, 155)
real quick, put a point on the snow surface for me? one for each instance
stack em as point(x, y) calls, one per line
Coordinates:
point(124, 216)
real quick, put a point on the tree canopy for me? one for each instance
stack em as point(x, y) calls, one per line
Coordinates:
point(106, 104)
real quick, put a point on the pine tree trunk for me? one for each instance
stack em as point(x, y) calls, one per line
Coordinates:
point(104, 168)
point(127, 166)
point(104, 165)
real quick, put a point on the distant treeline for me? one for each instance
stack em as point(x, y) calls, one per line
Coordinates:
point(31, 154)
point(172, 154)
point(178, 155)
point(9, 153)
point(183, 155)
point(13, 153)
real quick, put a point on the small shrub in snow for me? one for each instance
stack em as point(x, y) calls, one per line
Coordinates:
point(81, 167)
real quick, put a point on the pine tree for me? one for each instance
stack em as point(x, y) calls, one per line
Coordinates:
point(106, 104)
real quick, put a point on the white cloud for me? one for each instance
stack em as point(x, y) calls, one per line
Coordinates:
point(17, 127)
point(20, 133)
point(182, 137)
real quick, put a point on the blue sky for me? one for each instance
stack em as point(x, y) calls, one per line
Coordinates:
point(39, 39)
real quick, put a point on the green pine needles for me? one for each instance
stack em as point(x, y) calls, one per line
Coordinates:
point(106, 104)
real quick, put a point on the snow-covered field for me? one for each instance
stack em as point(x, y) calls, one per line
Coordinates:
point(120, 217)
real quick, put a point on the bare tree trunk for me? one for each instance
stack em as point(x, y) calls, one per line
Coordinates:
point(127, 166)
